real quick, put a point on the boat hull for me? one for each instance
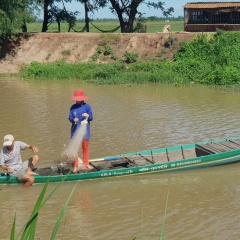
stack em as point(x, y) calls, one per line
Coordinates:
point(215, 159)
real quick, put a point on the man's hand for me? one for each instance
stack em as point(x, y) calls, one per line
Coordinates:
point(75, 120)
point(4, 167)
point(85, 115)
point(34, 148)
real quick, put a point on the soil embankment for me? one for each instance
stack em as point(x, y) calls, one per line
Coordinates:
point(80, 47)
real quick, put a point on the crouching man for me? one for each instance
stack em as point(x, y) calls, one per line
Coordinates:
point(11, 160)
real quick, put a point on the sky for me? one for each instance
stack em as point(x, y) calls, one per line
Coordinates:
point(106, 13)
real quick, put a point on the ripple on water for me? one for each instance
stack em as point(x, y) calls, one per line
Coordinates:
point(201, 203)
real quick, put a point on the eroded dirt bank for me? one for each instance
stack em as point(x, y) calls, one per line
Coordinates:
point(80, 47)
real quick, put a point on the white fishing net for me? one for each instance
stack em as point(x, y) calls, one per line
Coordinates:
point(70, 151)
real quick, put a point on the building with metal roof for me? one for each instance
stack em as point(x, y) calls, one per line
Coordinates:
point(208, 16)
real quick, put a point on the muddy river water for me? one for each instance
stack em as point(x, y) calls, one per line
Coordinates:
point(201, 204)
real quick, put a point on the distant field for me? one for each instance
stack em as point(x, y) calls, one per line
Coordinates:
point(152, 27)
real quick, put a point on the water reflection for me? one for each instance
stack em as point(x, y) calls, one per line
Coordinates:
point(123, 207)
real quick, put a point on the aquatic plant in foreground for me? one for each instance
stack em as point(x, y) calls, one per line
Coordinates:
point(160, 235)
point(29, 229)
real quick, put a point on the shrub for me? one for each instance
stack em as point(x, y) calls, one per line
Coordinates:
point(108, 50)
point(169, 41)
point(66, 53)
point(95, 56)
point(99, 50)
point(130, 57)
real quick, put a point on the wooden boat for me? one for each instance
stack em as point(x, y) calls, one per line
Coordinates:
point(188, 156)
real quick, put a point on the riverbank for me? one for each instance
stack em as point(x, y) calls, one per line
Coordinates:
point(82, 47)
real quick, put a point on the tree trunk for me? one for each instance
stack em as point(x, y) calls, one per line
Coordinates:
point(118, 10)
point(58, 23)
point(126, 27)
point(86, 16)
point(24, 26)
point(132, 15)
point(45, 16)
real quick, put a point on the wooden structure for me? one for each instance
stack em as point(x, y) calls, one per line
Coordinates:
point(208, 16)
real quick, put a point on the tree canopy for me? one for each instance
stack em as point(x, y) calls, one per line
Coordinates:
point(127, 11)
point(15, 14)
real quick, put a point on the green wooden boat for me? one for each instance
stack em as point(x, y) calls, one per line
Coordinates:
point(188, 156)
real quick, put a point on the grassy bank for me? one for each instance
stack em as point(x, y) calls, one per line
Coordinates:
point(111, 73)
point(152, 26)
point(208, 59)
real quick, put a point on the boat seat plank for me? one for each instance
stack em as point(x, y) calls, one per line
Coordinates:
point(175, 155)
point(214, 148)
point(237, 142)
point(202, 150)
point(189, 153)
point(225, 147)
point(106, 165)
point(219, 147)
point(160, 157)
point(101, 165)
point(228, 146)
point(231, 145)
point(148, 158)
point(138, 160)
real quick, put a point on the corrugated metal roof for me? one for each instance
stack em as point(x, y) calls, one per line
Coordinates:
point(212, 5)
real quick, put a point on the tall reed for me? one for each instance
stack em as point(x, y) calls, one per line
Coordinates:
point(160, 235)
point(29, 229)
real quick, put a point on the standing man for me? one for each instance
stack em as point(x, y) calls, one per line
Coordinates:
point(11, 160)
point(78, 112)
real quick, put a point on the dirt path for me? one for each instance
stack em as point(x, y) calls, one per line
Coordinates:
point(80, 47)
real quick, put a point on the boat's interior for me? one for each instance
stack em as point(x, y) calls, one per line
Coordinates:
point(217, 147)
point(168, 156)
point(142, 160)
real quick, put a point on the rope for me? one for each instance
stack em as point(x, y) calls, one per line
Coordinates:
point(83, 29)
point(113, 30)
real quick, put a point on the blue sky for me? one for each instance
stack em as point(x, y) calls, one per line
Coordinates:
point(106, 13)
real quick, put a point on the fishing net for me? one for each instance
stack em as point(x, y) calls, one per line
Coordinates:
point(70, 152)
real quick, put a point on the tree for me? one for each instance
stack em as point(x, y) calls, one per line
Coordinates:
point(127, 11)
point(14, 14)
point(58, 15)
point(29, 10)
point(88, 7)
point(52, 13)
point(46, 14)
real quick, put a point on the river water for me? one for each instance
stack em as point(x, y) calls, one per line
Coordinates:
point(199, 204)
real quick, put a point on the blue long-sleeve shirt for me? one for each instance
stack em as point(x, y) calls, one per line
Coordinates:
point(76, 111)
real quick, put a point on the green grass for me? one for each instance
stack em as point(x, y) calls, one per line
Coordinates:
point(152, 27)
point(111, 73)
